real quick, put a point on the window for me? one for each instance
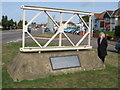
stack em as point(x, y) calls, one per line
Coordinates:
point(108, 19)
point(113, 20)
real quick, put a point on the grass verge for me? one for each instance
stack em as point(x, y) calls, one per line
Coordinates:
point(107, 78)
point(47, 35)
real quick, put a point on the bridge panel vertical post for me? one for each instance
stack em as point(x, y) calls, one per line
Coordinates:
point(23, 35)
point(89, 30)
point(60, 34)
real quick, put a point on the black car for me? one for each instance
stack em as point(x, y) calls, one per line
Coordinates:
point(46, 30)
point(117, 46)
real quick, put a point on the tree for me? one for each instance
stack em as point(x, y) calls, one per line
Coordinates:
point(4, 22)
point(20, 24)
point(86, 18)
point(33, 23)
point(7, 24)
point(11, 24)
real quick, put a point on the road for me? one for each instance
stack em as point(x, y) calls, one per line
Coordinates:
point(11, 35)
point(16, 36)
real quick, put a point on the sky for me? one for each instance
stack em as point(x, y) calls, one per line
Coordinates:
point(59, 0)
point(13, 10)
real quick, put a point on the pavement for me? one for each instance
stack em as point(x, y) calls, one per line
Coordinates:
point(16, 36)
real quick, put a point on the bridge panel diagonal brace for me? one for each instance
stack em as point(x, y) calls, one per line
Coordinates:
point(33, 18)
point(82, 39)
point(51, 39)
point(34, 39)
point(83, 21)
point(69, 39)
point(51, 18)
point(69, 20)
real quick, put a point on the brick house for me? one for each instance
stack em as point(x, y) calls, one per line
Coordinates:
point(69, 24)
point(102, 20)
point(115, 19)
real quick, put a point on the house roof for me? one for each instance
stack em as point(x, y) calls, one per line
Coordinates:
point(116, 13)
point(100, 15)
point(68, 22)
point(110, 12)
point(37, 24)
point(97, 15)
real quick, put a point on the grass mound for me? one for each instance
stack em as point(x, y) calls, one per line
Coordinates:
point(107, 78)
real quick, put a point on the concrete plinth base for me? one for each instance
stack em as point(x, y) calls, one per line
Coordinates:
point(30, 66)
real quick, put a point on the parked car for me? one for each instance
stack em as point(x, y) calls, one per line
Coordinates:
point(117, 46)
point(69, 29)
point(77, 32)
point(46, 29)
point(29, 29)
point(73, 31)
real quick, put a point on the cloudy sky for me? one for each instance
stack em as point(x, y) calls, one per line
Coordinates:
point(13, 10)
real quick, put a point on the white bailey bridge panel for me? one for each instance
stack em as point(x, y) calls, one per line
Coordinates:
point(59, 32)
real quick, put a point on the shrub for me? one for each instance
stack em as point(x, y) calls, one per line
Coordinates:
point(110, 33)
point(117, 30)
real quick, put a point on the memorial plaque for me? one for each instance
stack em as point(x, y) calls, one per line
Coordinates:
point(65, 62)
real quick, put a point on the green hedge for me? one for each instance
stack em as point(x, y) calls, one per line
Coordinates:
point(110, 33)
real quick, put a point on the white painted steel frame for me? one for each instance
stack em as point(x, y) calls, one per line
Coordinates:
point(30, 49)
point(24, 29)
point(55, 10)
point(59, 32)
